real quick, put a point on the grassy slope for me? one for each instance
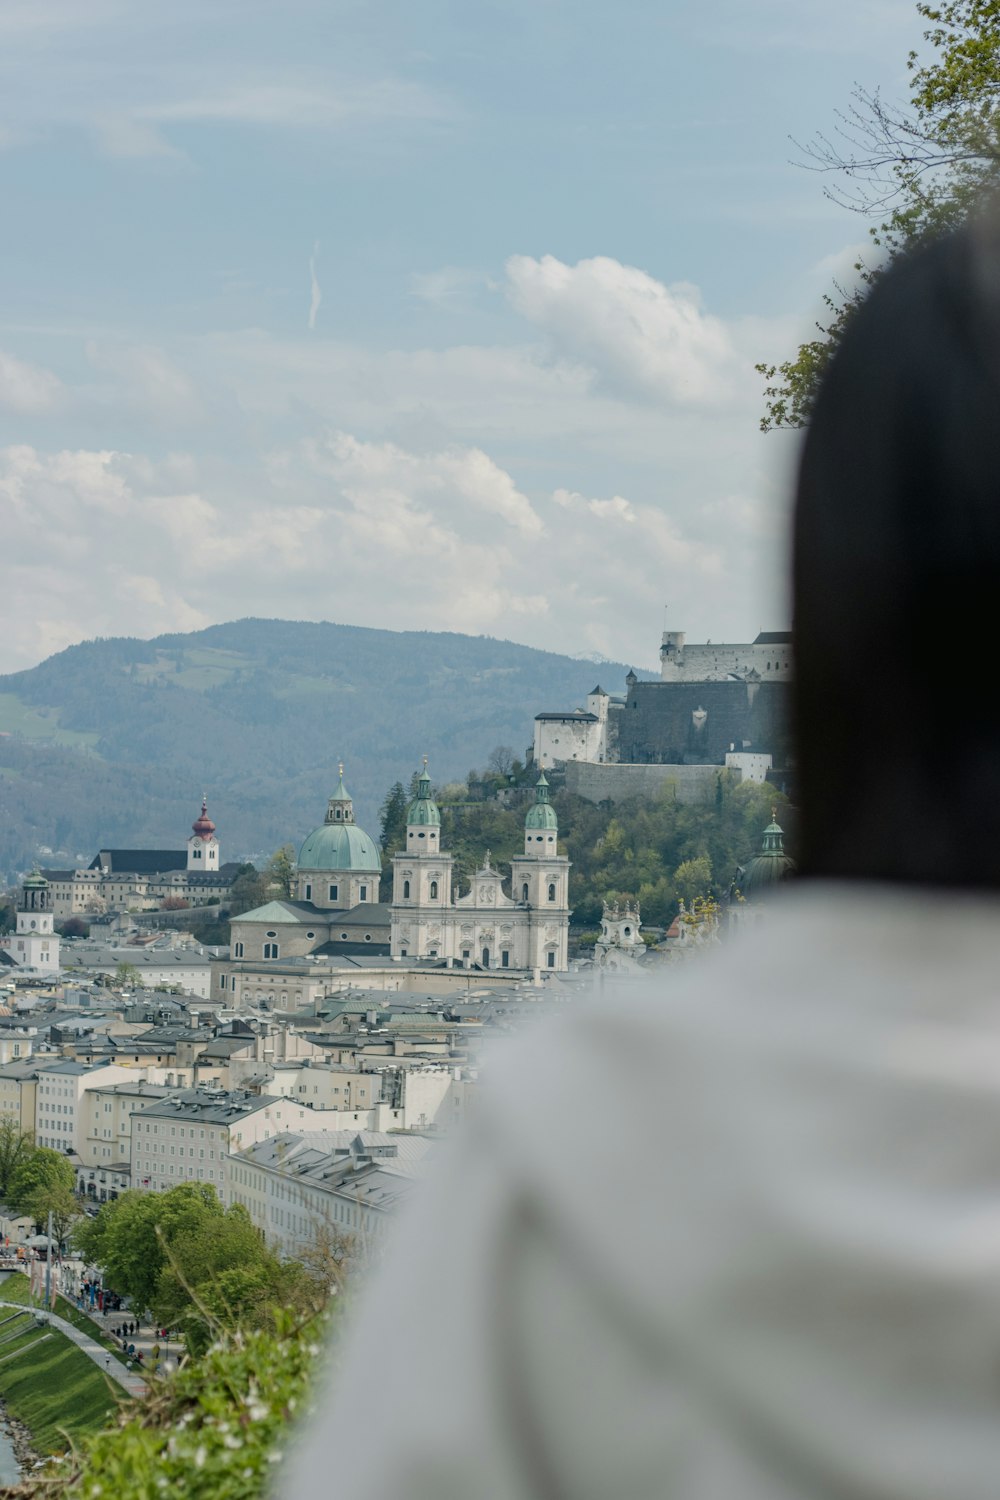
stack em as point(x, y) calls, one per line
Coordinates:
point(49, 1384)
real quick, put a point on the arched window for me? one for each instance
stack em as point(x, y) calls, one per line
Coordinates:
point(434, 890)
point(486, 958)
point(552, 891)
point(524, 891)
point(237, 950)
point(406, 890)
point(270, 950)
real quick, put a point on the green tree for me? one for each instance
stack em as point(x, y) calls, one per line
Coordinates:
point(248, 890)
point(693, 877)
point(127, 976)
point(130, 1237)
point(61, 1202)
point(392, 816)
point(8, 915)
point(16, 1145)
point(916, 171)
point(40, 1170)
point(281, 870)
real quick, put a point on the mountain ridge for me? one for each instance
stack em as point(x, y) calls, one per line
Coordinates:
point(112, 741)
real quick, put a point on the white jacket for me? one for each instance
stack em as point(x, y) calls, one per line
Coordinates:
point(732, 1235)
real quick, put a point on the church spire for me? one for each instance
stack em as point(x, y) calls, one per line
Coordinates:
point(340, 808)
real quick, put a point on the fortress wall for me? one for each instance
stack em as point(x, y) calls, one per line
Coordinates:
point(610, 782)
point(702, 662)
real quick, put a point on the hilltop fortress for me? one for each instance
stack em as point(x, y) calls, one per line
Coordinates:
point(714, 706)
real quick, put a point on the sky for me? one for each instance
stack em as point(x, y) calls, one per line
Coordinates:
point(421, 316)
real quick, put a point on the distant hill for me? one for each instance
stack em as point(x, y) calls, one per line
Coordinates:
point(113, 741)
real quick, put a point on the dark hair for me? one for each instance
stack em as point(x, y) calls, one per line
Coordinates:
point(896, 578)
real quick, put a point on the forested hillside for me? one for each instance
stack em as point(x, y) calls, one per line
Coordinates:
point(114, 741)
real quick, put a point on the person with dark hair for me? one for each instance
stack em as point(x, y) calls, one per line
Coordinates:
point(735, 1234)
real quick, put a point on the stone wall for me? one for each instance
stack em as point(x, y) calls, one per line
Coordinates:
point(610, 782)
point(696, 723)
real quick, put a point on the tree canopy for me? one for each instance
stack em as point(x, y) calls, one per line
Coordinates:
point(37, 1171)
point(193, 1264)
point(914, 170)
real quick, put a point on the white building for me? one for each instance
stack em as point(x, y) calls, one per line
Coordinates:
point(299, 1184)
point(187, 1137)
point(35, 943)
point(107, 1111)
point(581, 734)
point(142, 879)
point(60, 1118)
point(526, 929)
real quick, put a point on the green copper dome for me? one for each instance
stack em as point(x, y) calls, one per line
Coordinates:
point(771, 865)
point(340, 844)
point(541, 814)
point(36, 881)
point(423, 810)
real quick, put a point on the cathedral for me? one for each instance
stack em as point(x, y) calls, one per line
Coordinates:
point(336, 908)
point(487, 927)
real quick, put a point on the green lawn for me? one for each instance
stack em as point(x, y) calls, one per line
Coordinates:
point(18, 1289)
point(53, 1388)
point(79, 1320)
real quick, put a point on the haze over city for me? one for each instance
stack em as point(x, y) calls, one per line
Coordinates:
point(433, 317)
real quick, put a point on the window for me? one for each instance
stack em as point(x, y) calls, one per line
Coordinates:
point(310, 934)
point(406, 890)
point(434, 890)
point(524, 891)
point(237, 950)
point(551, 960)
point(270, 950)
point(552, 891)
point(363, 894)
point(334, 893)
point(504, 959)
point(272, 934)
point(466, 952)
point(222, 981)
point(486, 958)
point(309, 891)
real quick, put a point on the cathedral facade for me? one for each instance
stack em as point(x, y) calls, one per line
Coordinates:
point(526, 927)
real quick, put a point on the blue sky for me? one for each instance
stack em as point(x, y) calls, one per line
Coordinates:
point(436, 315)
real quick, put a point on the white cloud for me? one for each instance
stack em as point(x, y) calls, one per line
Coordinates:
point(638, 335)
point(315, 294)
point(26, 388)
point(143, 377)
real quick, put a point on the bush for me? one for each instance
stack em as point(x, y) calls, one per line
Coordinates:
point(215, 1430)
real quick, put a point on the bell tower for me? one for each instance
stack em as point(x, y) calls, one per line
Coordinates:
point(540, 883)
point(203, 846)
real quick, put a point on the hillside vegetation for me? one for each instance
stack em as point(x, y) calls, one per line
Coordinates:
point(112, 742)
point(656, 851)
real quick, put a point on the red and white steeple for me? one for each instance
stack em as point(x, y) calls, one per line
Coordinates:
point(203, 846)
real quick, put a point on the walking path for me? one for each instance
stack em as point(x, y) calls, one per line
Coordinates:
point(127, 1379)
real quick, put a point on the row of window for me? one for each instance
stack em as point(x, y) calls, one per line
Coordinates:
point(433, 894)
point(333, 892)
